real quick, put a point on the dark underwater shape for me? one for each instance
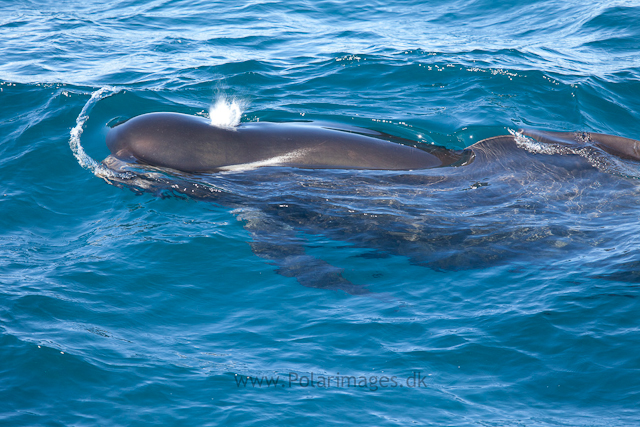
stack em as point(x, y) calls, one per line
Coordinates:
point(509, 203)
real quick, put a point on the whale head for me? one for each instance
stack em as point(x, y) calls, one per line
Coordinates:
point(171, 140)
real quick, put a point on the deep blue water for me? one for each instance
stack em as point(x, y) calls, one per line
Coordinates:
point(511, 289)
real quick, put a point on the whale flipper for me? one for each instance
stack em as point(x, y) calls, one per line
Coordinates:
point(282, 245)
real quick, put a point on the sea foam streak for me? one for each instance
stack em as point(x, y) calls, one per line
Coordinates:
point(598, 158)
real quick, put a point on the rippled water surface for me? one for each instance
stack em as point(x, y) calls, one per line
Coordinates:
point(503, 292)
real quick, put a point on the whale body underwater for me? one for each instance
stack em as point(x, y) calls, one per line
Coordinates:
point(440, 208)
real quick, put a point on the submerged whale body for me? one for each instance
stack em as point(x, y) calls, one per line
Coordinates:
point(496, 201)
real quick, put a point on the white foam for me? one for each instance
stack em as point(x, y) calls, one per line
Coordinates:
point(533, 146)
point(599, 159)
point(226, 113)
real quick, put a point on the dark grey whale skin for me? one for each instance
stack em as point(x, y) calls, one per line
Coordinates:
point(190, 144)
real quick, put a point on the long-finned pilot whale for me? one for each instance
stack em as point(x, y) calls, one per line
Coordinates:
point(496, 188)
point(190, 144)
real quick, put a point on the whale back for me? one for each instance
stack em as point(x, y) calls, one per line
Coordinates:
point(625, 148)
point(190, 144)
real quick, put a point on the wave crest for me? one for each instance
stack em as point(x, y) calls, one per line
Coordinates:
point(83, 158)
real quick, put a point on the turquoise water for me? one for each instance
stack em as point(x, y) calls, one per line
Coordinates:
point(497, 296)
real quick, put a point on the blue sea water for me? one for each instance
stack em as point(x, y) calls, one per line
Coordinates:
point(504, 297)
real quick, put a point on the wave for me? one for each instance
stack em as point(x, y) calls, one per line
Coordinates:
point(84, 160)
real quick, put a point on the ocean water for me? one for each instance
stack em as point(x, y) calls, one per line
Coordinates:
point(502, 293)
